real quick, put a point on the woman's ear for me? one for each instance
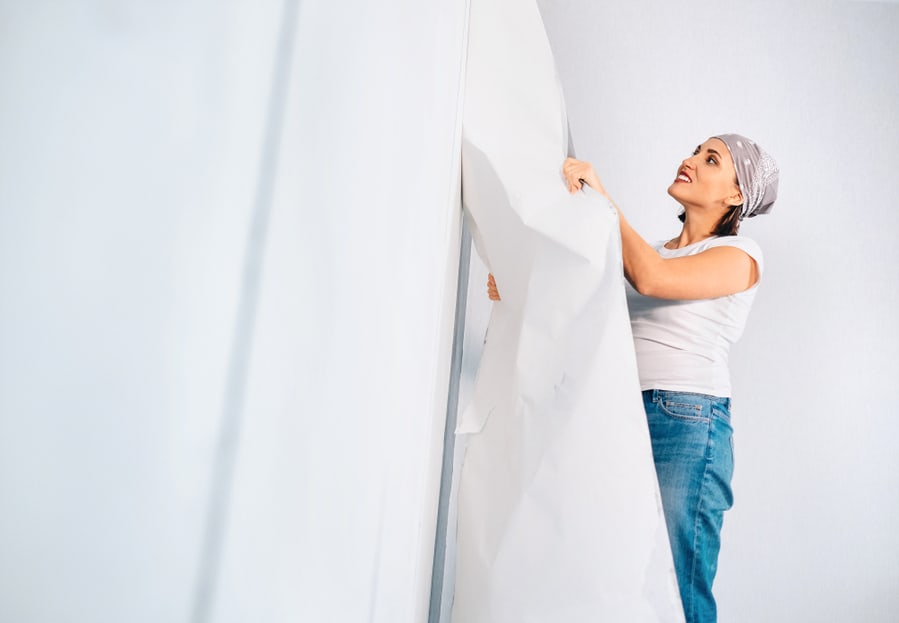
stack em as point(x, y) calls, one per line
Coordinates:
point(736, 199)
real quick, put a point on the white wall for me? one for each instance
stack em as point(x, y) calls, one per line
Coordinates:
point(140, 310)
point(812, 536)
point(131, 140)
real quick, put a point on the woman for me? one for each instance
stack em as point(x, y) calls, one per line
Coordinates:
point(689, 301)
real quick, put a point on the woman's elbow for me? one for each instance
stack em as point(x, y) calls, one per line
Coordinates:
point(646, 287)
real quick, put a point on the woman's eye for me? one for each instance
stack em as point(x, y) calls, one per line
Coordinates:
point(711, 159)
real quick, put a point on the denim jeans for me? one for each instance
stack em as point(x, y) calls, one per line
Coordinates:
point(692, 446)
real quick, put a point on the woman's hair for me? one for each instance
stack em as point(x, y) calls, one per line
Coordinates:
point(729, 224)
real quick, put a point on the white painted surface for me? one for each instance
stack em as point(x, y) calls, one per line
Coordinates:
point(131, 137)
point(131, 151)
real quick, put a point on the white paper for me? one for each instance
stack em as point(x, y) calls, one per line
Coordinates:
point(559, 513)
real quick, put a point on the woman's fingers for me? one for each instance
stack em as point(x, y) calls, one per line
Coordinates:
point(492, 292)
point(577, 173)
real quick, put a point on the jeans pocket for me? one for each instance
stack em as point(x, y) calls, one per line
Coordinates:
point(683, 407)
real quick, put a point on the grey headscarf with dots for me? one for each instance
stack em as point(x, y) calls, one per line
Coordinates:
point(757, 174)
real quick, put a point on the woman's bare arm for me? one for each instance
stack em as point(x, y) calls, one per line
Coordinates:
point(715, 272)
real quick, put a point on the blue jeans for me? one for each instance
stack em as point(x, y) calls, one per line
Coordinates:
point(692, 445)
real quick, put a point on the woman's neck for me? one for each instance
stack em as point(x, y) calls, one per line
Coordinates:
point(694, 230)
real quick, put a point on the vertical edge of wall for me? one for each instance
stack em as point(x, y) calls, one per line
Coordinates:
point(448, 372)
point(438, 579)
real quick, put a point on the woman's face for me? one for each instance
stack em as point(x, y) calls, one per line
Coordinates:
point(707, 178)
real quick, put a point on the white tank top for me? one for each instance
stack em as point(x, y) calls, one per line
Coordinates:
point(684, 345)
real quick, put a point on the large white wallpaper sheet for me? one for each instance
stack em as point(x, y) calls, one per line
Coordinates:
point(559, 512)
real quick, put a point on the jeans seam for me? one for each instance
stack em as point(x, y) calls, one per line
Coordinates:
point(696, 521)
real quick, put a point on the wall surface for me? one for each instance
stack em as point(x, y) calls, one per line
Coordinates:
point(130, 152)
point(229, 237)
point(812, 535)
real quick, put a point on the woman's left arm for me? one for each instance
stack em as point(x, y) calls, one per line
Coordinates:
point(715, 272)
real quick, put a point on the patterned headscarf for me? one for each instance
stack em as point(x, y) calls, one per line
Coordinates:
point(757, 174)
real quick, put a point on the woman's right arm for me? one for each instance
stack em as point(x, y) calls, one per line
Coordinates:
point(640, 259)
point(715, 272)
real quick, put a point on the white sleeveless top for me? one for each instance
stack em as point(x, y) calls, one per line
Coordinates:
point(684, 345)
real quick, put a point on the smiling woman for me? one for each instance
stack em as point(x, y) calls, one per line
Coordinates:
point(689, 302)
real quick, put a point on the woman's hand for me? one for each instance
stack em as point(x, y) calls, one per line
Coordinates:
point(492, 292)
point(577, 173)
